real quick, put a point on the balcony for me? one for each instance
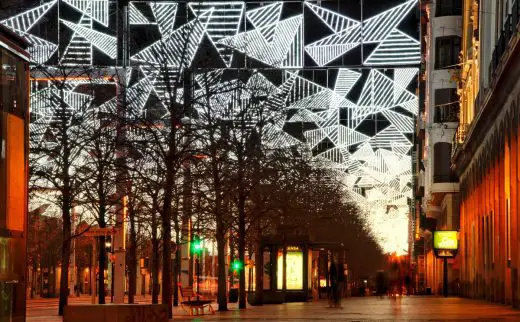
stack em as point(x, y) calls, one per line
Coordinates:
point(507, 33)
point(447, 113)
point(447, 178)
point(458, 139)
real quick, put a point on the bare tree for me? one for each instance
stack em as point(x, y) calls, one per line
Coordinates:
point(58, 147)
point(98, 174)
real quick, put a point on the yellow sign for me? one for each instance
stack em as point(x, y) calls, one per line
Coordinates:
point(445, 240)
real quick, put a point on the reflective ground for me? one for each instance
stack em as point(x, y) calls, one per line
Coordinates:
point(354, 309)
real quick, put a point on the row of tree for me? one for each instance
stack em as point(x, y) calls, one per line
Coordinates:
point(175, 144)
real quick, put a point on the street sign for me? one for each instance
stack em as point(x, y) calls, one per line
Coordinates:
point(445, 239)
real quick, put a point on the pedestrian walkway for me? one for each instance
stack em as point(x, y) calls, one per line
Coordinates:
point(354, 309)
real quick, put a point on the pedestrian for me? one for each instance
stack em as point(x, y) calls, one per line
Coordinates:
point(340, 285)
point(408, 282)
point(333, 277)
point(381, 284)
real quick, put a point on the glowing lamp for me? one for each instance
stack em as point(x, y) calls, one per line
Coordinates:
point(237, 265)
point(196, 245)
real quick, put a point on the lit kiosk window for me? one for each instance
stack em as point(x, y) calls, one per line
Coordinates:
point(294, 269)
point(14, 109)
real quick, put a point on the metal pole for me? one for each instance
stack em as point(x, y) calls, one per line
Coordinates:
point(198, 275)
point(93, 273)
point(119, 236)
point(445, 287)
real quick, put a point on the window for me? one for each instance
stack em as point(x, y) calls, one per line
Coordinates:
point(442, 163)
point(13, 84)
point(446, 105)
point(447, 51)
point(448, 8)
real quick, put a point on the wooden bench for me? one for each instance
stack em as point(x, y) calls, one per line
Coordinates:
point(192, 303)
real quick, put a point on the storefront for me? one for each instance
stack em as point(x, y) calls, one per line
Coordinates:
point(306, 269)
point(14, 112)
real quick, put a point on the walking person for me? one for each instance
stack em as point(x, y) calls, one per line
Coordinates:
point(333, 276)
point(381, 287)
point(340, 285)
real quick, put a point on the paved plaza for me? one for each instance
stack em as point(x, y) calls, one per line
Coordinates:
point(354, 309)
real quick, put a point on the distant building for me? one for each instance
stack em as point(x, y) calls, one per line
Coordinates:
point(14, 119)
point(486, 154)
point(437, 185)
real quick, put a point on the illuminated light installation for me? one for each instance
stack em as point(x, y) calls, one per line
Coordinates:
point(395, 47)
point(165, 13)
point(26, 20)
point(106, 43)
point(96, 9)
point(375, 166)
point(224, 22)
point(276, 44)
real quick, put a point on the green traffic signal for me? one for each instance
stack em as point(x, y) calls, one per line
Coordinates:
point(237, 265)
point(196, 245)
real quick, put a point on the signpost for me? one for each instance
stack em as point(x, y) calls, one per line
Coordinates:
point(445, 245)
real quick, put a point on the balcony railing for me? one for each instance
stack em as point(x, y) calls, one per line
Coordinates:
point(447, 113)
point(507, 33)
point(458, 138)
point(445, 178)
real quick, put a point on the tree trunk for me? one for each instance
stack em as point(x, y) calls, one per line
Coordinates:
point(132, 263)
point(65, 207)
point(155, 266)
point(166, 264)
point(65, 255)
point(101, 268)
point(177, 269)
point(259, 267)
point(242, 250)
point(167, 239)
point(221, 246)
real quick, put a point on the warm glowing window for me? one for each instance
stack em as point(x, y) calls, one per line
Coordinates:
point(294, 271)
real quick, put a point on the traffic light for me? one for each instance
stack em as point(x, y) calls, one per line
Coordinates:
point(237, 265)
point(196, 245)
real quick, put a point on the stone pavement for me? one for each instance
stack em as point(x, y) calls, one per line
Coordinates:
point(354, 309)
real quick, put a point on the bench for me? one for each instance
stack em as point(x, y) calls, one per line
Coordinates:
point(192, 303)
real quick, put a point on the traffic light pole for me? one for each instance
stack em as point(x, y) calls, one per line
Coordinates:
point(119, 237)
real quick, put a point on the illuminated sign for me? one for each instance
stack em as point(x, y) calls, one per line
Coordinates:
point(294, 271)
point(445, 240)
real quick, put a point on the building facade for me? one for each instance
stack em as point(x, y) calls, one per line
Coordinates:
point(486, 151)
point(437, 186)
point(14, 120)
